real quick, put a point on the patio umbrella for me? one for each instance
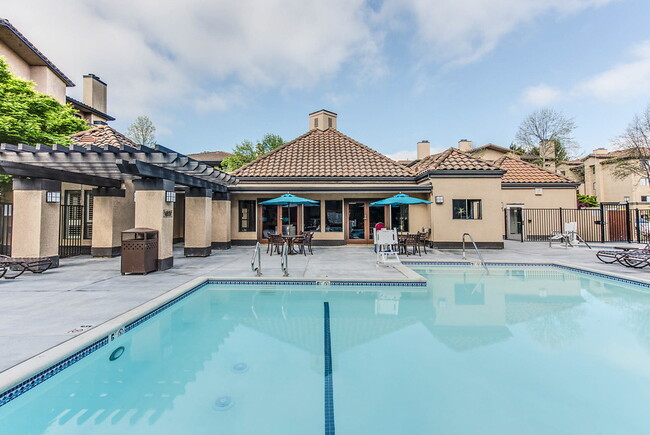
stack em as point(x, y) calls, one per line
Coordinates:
point(400, 199)
point(289, 199)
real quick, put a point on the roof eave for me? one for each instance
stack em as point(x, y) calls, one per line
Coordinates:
point(89, 108)
point(280, 179)
point(461, 173)
point(511, 185)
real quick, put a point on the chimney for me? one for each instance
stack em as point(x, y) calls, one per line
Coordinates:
point(465, 145)
point(547, 150)
point(600, 151)
point(424, 149)
point(94, 91)
point(322, 120)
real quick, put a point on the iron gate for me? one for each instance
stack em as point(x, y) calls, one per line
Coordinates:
point(70, 230)
point(6, 221)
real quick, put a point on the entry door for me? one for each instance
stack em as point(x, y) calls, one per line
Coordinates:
point(514, 223)
point(361, 219)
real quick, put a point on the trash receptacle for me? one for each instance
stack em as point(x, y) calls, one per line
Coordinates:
point(139, 250)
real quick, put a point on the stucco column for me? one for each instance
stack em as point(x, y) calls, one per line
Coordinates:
point(35, 221)
point(113, 212)
point(152, 211)
point(198, 222)
point(221, 212)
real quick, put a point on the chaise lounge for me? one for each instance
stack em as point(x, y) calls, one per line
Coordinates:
point(22, 265)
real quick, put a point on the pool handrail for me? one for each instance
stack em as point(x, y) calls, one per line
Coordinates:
point(257, 255)
point(475, 248)
point(284, 262)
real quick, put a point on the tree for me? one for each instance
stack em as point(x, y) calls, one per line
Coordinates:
point(29, 117)
point(634, 148)
point(247, 151)
point(544, 129)
point(142, 131)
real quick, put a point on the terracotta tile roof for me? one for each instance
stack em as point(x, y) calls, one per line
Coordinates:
point(452, 159)
point(503, 150)
point(327, 153)
point(210, 156)
point(17, 40)
point(518, 171)
point(102, 135)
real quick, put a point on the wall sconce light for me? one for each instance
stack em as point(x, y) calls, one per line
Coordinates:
point(52, 196)
point(440, 199)
point(626, 198)
point(170, 196)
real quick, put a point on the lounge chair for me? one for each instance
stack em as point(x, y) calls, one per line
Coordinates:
point(385, 243)
point(609, 256)
point(569, 236)
point(19, 266)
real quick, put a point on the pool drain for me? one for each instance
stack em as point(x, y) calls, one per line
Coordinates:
point(116, 353)
point(223, 403)
point(240, 367)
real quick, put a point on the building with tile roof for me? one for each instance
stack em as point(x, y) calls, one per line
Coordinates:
point(212, 158)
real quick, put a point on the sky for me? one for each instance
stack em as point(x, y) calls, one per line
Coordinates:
point(211, 74)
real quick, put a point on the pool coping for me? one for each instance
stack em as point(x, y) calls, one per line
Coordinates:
point(26, 375)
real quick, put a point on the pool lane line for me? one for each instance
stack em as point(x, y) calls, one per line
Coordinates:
point(329, 392)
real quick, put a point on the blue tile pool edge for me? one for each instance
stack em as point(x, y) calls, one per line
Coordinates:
point(578, 270)
point(31, 382)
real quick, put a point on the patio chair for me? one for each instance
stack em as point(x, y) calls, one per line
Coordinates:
point(275, 244)
point(569, 236)
point(609, 256)
point(304, 243)
point(422, 240)
point(22, 265)
point(410, 241)
point(385, 243)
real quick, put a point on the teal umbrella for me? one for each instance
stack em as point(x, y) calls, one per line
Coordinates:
point(400, 199)
point(289, 199)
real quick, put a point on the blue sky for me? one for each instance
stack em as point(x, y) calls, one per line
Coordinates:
point(213, 73)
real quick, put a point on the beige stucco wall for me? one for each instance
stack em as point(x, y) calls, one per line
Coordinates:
point(221, 221)
point(111, 216)
point(447, 229)
point(35, 225)
point(46, 81)
point(610, 188)
point(550, 197)
point(198, 216)
point(418, 214)
point(150, 208)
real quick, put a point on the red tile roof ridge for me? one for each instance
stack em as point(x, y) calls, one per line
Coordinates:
point(504, 160)
point(436, 162)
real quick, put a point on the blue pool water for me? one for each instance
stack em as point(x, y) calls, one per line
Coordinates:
point(521, 350)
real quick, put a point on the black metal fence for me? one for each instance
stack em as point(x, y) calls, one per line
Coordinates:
point(610, 222)
point(71, 230)
point(6, 223)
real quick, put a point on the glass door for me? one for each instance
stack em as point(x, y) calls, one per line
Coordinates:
point(357, 228)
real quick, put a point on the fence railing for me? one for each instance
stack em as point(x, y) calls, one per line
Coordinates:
point(610, 222)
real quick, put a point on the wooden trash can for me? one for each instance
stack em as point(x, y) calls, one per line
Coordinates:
point(139, 251)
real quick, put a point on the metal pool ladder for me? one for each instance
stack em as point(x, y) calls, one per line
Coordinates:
point(257, 256)
point(475, 248)
point(284, 264)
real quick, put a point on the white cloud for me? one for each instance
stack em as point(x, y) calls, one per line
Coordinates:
point(541, 95)
point(622, 81)
point(460, 32)
point(403, 155)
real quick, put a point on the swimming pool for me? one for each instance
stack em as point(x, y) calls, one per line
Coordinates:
point(518, 350)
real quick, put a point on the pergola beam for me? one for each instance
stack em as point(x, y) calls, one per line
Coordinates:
point(26, 170)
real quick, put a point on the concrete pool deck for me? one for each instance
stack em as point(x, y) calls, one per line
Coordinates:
point(38, 312)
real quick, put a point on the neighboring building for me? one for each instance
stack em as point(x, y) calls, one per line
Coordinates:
point(212, 158)
point(599, 180)
point(28, 63)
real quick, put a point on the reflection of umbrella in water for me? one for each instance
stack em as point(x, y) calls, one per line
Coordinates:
point(288, 199)
point(400, 199)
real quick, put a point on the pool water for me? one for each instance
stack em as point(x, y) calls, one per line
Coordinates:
point(518, 350)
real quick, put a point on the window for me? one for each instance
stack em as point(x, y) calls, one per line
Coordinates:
point(645, 199)
point(466, 209)
point(88, 214)
point(645, 182)
point(312, 217)
point(246, 216)
point(399, 217)
point(594, 186)
point(593, 169)
point(333, 216)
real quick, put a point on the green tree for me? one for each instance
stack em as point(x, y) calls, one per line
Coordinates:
point(545, 129)
point(142, 131)
point(29, 117)
point(247, 151)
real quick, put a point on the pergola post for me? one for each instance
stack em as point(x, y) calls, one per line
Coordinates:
point(198, 222)
point(153, 211)
point(221, 211)
point(113, 212)
point(35, 220)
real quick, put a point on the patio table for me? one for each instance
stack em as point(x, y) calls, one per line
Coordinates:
point(290, 239)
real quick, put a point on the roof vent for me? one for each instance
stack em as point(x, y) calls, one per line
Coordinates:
point(322, 120)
